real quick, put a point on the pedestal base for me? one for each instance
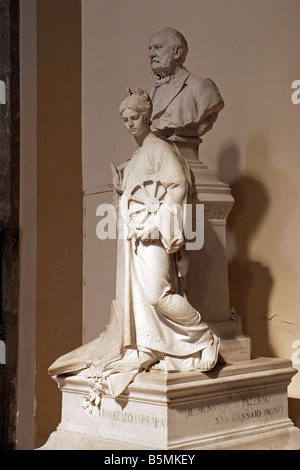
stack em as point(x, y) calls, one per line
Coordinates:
point(235, 346)
point(236, 406)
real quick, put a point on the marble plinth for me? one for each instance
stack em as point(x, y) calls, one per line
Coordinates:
point(235, 346)
point(234, 406)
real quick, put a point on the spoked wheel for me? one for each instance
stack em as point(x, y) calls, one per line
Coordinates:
point(140, 202)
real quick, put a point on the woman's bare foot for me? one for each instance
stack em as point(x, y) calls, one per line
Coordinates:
point(209, 355)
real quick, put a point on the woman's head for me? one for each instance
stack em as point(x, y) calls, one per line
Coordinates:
point(138, 100)
point(136, 110)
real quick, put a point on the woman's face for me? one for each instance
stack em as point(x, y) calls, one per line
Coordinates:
point(135, 122)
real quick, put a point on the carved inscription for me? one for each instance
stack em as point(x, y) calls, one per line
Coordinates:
point(118, 415)
point(238, 411)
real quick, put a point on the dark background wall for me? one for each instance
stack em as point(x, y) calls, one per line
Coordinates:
point(9, 215)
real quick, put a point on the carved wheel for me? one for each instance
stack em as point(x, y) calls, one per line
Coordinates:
point(140, 202)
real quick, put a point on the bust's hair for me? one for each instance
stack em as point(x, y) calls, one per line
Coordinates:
point(137, 100)
point(176, 39)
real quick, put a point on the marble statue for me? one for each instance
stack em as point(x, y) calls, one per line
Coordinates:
point(162, 325)
point(157, 326)
point(152, 323)
point(183, 104)
point(170, 315)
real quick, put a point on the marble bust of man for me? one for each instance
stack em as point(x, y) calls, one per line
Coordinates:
point(183, 104)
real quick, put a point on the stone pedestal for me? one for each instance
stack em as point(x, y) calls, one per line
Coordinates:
point(240, 406)
point(207, 281)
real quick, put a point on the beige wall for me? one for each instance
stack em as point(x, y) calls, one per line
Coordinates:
point(250, 49)
point(27, 295)
point(51, 212)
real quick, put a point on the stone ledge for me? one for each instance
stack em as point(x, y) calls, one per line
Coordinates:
point(241, 404)
point(278, 439)
point(170, 386)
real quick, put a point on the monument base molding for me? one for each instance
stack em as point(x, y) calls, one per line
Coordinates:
point(235, 406)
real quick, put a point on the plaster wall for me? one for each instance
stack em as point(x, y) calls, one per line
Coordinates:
point(51, 212)
point(59, 202)
point(28, 188)
point(250, 49)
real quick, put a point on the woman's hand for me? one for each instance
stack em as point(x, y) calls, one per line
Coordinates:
point(147, 233)
point(116, 179)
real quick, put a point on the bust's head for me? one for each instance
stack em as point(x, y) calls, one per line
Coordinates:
point(167, 51)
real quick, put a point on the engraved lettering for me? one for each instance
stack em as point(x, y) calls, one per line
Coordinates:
point(245, 416)
point(116, 415)
point(273, 411)
point(222, 420)
point(248, 408)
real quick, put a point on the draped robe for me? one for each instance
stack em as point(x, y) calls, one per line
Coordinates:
point(153, 319)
